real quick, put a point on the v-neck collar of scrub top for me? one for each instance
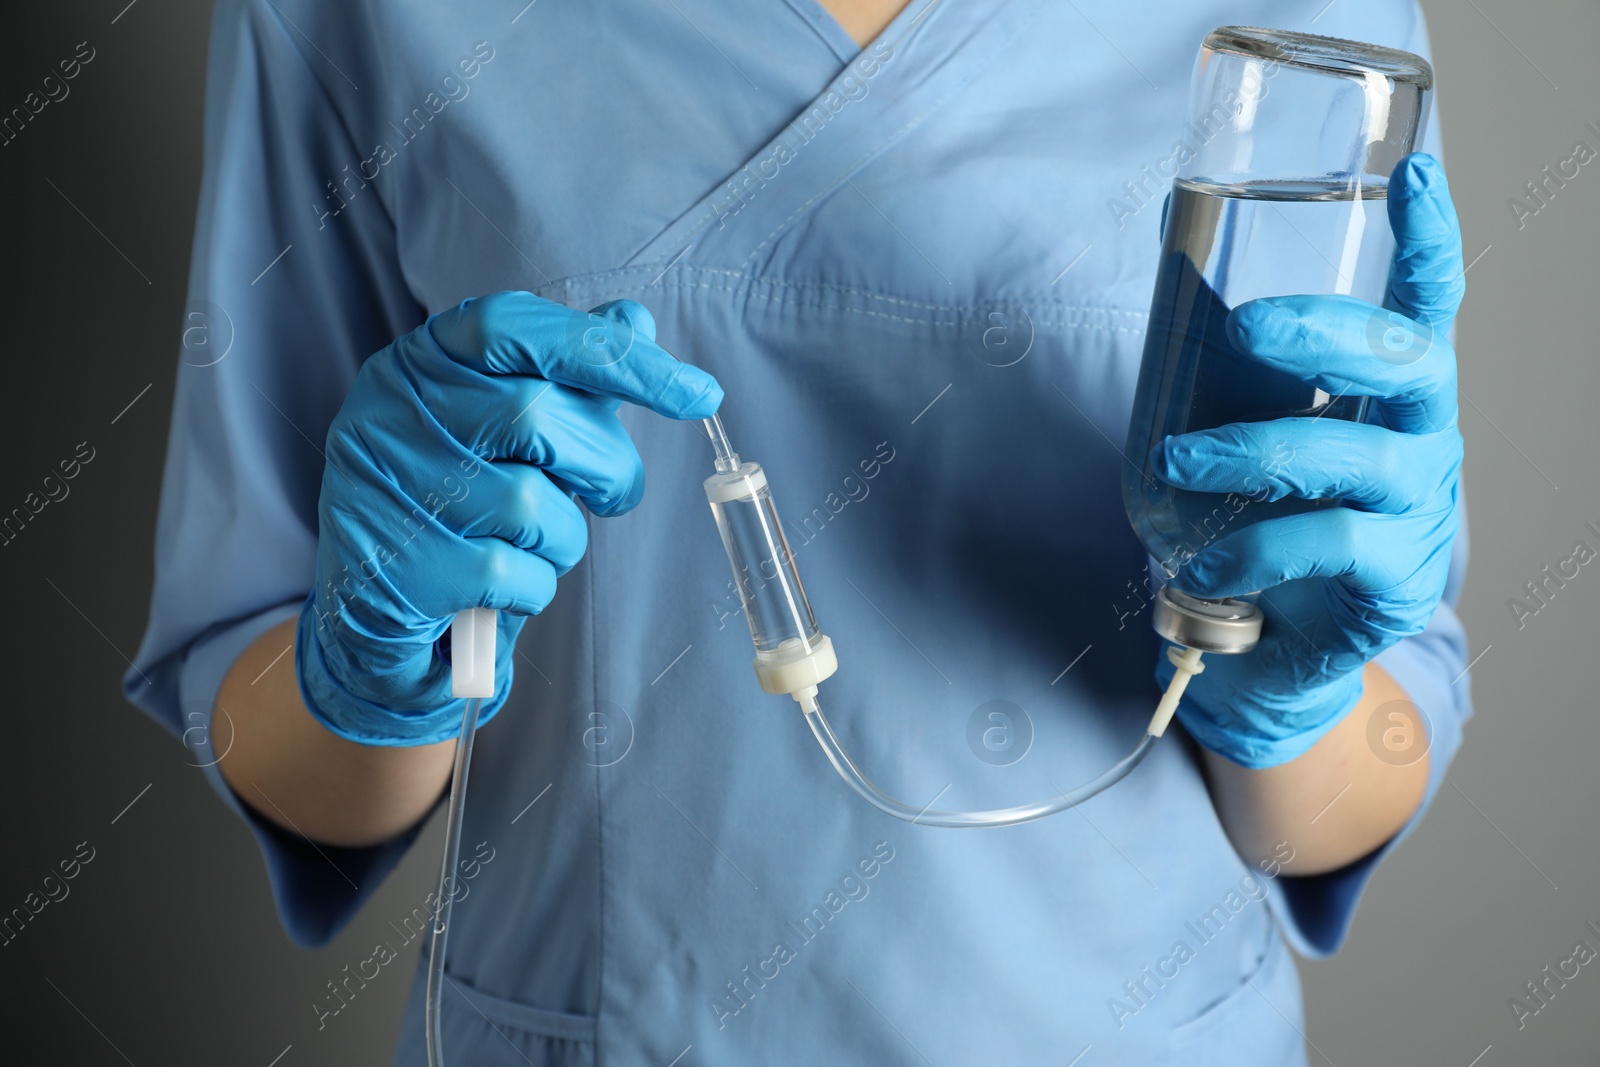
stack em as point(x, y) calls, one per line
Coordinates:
point(832, 33)
point(926, 55)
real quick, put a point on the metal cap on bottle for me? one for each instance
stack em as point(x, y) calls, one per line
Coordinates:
point(1220, 626)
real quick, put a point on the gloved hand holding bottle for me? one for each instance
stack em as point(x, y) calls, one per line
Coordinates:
point(1339, 585)
point(454, 472)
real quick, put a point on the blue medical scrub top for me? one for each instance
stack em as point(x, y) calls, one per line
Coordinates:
point(921, 271)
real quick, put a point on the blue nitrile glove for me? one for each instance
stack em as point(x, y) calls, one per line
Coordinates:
point(1340, 585)
point(447, 485)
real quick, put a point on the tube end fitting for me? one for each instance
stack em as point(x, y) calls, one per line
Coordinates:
point(472, 653)
point(1226, 626)
point(1187, 662)
point(792, 667)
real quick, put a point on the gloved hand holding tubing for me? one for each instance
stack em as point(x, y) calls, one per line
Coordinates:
point(1339, 585)
point(452, 469)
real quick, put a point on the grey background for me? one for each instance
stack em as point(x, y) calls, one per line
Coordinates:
point(167, 951)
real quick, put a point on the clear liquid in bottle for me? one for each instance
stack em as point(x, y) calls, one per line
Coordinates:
point(1223, 246)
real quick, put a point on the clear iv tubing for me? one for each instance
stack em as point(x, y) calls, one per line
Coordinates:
point(443, 899)
point(792, 655)
point(960, 819)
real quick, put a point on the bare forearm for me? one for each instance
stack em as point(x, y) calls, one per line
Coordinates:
point(1334, 804)
point(293, 771)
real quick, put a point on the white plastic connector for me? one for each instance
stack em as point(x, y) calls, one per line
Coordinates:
point(745, 483)
point(472, 652)
point(792, 668)
point(1187, 661)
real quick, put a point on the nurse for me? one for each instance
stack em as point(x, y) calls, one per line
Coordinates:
point(901, 252)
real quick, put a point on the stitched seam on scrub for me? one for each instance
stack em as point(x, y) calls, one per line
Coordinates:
point(781, 300)
point(598, 279)
point(752, 287)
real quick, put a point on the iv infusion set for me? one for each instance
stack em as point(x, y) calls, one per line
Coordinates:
point(794, 657)
point(1304, 127)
